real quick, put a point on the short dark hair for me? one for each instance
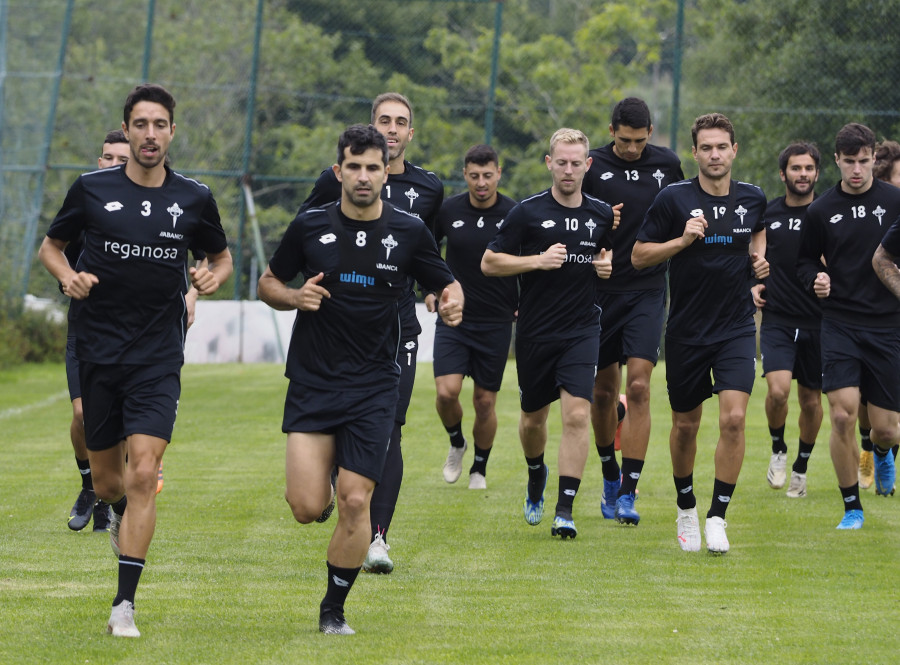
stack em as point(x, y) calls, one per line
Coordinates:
point(360, 138)
point(852, 138)
point(886, 153)
point(391, 97)
point(712, 121)
point(115, 136)
point(481, 154)
point(149, 92)
point(798, 148)
point(632, 112)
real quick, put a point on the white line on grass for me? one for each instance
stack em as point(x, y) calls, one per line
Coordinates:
point(19, 410)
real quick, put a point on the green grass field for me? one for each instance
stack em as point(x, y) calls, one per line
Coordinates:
point(231, 578)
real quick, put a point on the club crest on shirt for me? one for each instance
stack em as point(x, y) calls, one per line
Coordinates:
point(412, 195)
point(879, 212)
point(389, 243)
point(590, 225)
point(741, 211)
point(176, 212)
point(660, 176)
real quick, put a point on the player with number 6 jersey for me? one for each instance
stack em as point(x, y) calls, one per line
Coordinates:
point(479, 347)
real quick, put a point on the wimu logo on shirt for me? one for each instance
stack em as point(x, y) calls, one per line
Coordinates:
point(355, 278)
point(716, 239)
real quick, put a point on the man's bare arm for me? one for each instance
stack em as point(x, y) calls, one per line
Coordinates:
point(887, 270)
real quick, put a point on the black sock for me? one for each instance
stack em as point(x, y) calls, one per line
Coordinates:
point(119, 506)
point(881, 452)
point(340, 581)
point(386, 493)
point(479, 464)
point(537, 477)
point(457, 440)
point(84, 467)
point(568, 488)
point(631, 473)
point(685, 489)
point(610, 466)
point(778, 444)
point(130, 570)
point(864, 439)
point(851, 497)
point(894, 450)
point(803, 453)
point(722, 492)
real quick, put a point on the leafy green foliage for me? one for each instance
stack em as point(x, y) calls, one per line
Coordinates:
point(791, 70)
point(29, 336)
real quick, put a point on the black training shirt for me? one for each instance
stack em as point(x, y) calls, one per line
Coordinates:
point(136, 242)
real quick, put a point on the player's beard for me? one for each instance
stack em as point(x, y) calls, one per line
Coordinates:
point(792, 188)
point(363, 199)
point(721, 175)
point(567, 188)
point(149, 163)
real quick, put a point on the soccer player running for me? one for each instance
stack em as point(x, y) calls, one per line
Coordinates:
point(356, 257)
point(630, 171)
point(420, 193)
point(791, 320)
point(139, 221)
point(887, 168)
point(557, 241)
point(113, 152)
point(479, 347)
point(860, 315)
point(710, 229)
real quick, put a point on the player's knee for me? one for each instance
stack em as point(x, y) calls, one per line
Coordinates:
point(885, 437)
point(108, 489)
point(638, 392)
point(842, 420)
point(684, 429)
point(300, 509)
point(777, 397)
point(811, 405)
point(576, 418)
point(484, 405)
point(353, 503)
point(446, 398)
point(605, 396)
point(731, 423)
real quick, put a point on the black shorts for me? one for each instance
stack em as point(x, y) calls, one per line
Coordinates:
point(688, 366)
point(866, 358)
point(631, 325)
point(361, 422)
point(479, 351)
point(72, 369)
point(545, 367)
point(407, 353)
point(797, 350)
point(121, 400)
